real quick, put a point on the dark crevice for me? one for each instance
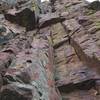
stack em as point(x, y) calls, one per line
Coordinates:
point(85, 85)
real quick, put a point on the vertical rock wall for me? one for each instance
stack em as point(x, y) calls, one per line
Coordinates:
point(54, 57)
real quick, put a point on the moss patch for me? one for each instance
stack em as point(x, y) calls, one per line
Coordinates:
point(97, 24)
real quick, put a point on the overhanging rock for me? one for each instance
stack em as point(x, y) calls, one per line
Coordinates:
point(49, 19)
point(25, 18)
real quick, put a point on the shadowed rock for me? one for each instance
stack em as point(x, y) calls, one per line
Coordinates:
point(17, 91)
point(94, 5)
point(25, 18)
point(5, 34)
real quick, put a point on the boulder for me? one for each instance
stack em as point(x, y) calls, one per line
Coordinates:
point(25, 18)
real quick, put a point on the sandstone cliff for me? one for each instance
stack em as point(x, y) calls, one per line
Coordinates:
point(49, 50)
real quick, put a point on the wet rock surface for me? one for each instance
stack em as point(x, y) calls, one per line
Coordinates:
point(55, 55)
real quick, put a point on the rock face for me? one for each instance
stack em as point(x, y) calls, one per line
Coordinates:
point(5, 34)
point(49, 19)
point(57, 58)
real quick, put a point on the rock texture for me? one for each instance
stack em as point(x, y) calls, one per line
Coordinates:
point(49, 50)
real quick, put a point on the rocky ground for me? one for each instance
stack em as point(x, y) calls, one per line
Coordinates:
point(52, 53)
